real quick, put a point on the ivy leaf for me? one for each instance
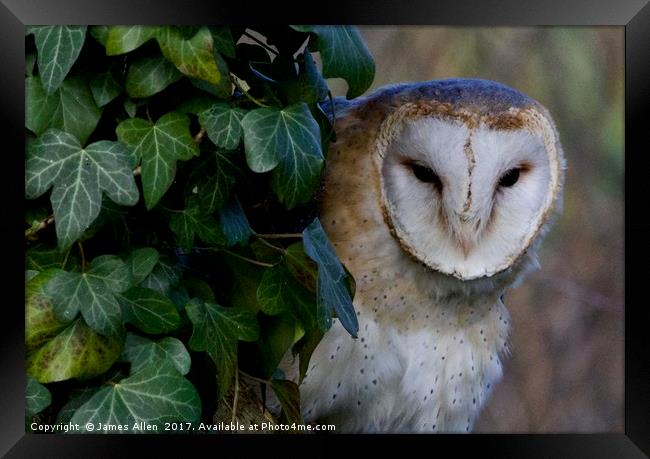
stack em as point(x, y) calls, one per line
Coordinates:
point(193, 221)
point(148, 310)
point(276, 337)
point(40, 323)
point(58, 49)
point(309, 87)
point(223, 41)
point(155, 394)
point(149, 76)
point(223, 124)
point(77, 398)
point(37, 397)
point(216, 330)
point(332, 288)
point(216, 178)
point(93, 293)
point(142, 352)
point(122, 39)
point(159, 146)
point(162, 278)
point(288, 395)
point(278, 290)
point(344, 54)
point(70, 108)
point(194, 57)
point(30, 274)
point(305, 348)
point(130, 107)
point(104, 87)
point(41, 257)
point(289, 139)
point(234, 223)
point(141, 262)
point(79, 176)
point(74, 352)
point(301, 267)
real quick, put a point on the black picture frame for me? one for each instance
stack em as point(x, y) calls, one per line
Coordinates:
point(633, 15)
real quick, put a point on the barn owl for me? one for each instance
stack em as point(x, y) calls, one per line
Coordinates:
point(436, 197)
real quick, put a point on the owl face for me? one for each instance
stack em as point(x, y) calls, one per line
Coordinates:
point(464, 194)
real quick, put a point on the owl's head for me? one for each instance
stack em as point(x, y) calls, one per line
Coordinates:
point(469, 172)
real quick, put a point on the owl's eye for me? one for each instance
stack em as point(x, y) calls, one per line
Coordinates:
point(426, 174)
point(510, 178)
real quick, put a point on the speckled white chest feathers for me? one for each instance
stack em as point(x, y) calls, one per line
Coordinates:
point(429, 371)
point(436, 198)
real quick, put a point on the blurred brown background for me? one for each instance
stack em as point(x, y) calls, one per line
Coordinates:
point(565, 373)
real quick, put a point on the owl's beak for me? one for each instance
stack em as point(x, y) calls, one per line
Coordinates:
point(465, 244)
point(465, 232)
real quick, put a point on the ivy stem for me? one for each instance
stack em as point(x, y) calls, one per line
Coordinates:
point(65, 260)
point(235, 398)
point(268, 244)
point(248, 96)
point(31, 232)
point(198, 137)
point(250, 260)
point(83, 256)
point(263, 381)
point(261, 43)
point(280, 236)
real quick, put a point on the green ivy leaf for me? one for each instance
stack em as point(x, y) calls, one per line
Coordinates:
point(58, 49)
point(148, 310)
point(79, 176)
point(93, 293)
point(245, 277)
point(192, 221)
point(289, 139)
point(77, 398)
point(276, 290)
point(105, 87)
point(301, 267)
point(162, 278)
point(75, 352)
point(223, 41)
point(37, 397)
point(333, 291)
point(288, 395)
point(305, 348)
point(70, 108)
point(216, 330)
point(141, 262)
point(149, 76)
point(223, 124)
point(234, 223)
point(142, 352)
point(130, 107)
point(156, 394)
point(40, 323)
point(99, 33)
point(41, 257)
point(30, 274)
point(194, 57)
point(309, 87)
point(276, 337)
point(30, 62)
point(159, 146)
point(216, 179)
point(122, 39)
point(344, 55)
